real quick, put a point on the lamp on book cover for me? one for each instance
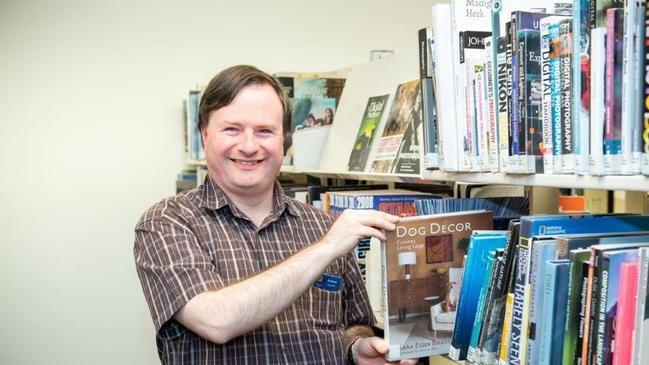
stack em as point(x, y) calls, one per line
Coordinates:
point(406, 259)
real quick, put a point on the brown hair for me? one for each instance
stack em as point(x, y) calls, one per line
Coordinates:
point(225, 86)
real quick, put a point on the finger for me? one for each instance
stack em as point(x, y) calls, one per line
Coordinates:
point(379, 345)
point(408, 362)
point(377, 221)
point(373, 232)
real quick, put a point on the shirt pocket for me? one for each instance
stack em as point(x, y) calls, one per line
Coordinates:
point(324, 307)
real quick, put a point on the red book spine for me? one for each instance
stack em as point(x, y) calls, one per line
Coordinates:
point(625, 313)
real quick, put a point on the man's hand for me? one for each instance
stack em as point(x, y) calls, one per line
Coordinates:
point(353, 225)
point(372, 350)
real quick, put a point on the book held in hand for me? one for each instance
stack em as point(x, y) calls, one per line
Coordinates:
point(421, 264)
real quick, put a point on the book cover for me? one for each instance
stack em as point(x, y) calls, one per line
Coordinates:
point(400, 118)
point(314, 101)
point(421, 264)
point(625, 313)
point(366, 132)
point(408, 156)
point(474, 271)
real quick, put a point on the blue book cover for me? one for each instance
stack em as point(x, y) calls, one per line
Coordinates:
point(480, 244)
point(555, 293)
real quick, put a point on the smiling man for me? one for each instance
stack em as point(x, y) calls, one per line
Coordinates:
point(235, 272)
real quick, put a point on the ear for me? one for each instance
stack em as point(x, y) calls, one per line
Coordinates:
point(204, 136)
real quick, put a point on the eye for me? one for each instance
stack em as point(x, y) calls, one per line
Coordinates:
point(265, 131)
point(230, 129)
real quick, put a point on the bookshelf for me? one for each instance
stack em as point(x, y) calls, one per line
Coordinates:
point(382, 77)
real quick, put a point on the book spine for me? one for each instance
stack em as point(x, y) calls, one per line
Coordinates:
point(574, 311)
point(600, 347)
point(597, 100)
point(629, 89)
point(592, 306)
point(502, 56)
point(505, 339)
point(613, 124)
point(644, 93)
point(491, 106)
point(533, 90)
point(514, 122)
point(580, 76)
point(517, 342)
point(485, 349)
point(546, 97)
point(640, 348)
point(481, 120)
point(555, 90)
point(496, 319)
point(567, 147)
point(625, 313)
point(541, 253)
point(473, 354)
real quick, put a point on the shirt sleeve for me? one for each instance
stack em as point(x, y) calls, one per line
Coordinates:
point(357, 304)
point(171, 265)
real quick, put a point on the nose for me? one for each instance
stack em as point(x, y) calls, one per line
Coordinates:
point(249, 144)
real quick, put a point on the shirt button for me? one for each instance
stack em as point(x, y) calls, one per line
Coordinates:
point(285, 350)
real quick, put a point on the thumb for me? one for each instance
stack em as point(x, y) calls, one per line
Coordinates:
point(379, 345)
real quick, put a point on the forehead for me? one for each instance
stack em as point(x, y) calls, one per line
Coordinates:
point(255, 103)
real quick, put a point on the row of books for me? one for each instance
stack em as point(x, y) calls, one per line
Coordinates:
point(536, 87)
point(548, 290)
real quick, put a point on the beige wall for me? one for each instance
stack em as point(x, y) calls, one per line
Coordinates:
point(91, 135)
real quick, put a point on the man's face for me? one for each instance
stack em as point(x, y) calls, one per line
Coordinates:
point(244, 142)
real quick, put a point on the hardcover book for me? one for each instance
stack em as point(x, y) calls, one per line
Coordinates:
point(422, 265)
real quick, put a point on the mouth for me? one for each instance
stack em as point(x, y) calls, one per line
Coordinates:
point(246, 162)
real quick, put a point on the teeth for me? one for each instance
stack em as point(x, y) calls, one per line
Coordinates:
point(247, 163)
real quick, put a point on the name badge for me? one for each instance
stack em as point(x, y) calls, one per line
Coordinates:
point(328, 282)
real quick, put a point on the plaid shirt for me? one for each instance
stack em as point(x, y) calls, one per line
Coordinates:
point(199, 241)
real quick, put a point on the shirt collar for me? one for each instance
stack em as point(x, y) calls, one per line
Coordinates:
point(212, 197)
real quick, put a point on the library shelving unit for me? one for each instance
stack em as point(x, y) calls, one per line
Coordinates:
point(382, 77)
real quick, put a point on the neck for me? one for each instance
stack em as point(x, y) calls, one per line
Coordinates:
point(256, 208)
point(254, 204)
